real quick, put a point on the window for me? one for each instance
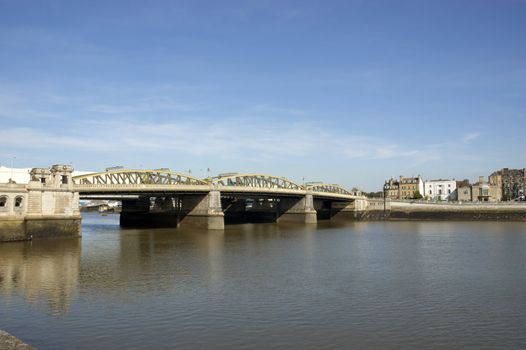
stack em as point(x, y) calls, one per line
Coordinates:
point(448, 191)
point(430, 192)
point(18, 202)
point(3, 202)
point(43, 180)
point(65, 179)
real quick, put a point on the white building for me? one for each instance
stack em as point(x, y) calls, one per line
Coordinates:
point(444, 190)
point(21, 175)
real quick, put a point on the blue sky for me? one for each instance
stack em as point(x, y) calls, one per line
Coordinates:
point(348, 92)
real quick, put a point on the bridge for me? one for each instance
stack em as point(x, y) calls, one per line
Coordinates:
point(166, 198)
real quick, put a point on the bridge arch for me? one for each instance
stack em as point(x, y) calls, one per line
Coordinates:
point(138, 177)
point(257, 181)
point(329, 188)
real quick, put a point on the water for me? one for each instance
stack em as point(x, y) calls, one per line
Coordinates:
point(376, 285)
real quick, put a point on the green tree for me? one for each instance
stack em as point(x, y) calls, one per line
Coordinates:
point(417, 195)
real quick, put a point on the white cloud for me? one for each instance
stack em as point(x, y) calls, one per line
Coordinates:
point(143, 105)
point(470, 137)
point(230, 138)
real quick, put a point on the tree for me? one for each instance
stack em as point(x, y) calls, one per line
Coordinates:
point(378, 194)
point(417, 195)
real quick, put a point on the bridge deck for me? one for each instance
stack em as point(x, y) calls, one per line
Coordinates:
point(138, 189)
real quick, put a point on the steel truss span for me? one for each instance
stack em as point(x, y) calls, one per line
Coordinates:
point(138, 177)
point(257, 181)
point(329, 188)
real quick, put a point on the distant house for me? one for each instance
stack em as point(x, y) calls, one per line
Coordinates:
point(18, 175)
point(486, 191)
point(463, 191)
point(442, 190)
point(391, 188)
point(22, 176)
point(409, 186)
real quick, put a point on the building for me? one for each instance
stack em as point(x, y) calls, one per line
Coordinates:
point(485, 191)
point(512, 182)
point(410, 187)
point(464, 191)
point(18, 175)
point(440, 190)
point(391, 188)
point(23, 176)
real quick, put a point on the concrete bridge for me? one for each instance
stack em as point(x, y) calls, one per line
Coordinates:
point(168, 198)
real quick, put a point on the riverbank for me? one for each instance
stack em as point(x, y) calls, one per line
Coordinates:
point(9, 342)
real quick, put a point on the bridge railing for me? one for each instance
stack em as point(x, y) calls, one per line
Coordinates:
point(257, 181)
point(138, 177)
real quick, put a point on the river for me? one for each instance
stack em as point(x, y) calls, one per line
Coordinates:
point(362, 285)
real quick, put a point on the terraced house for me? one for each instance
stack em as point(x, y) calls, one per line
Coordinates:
point(410, 186)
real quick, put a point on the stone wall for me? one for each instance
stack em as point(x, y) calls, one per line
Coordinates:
point(398, 210)
point(465, 211)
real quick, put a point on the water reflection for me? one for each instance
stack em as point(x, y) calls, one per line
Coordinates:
point(161, 258)
point(43, 271)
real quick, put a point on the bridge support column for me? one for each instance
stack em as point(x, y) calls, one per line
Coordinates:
point(202, 210)
point(300, 210)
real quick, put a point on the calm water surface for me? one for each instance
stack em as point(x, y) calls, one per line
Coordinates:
point(395, 285)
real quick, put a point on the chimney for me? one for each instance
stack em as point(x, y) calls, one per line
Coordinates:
point(481, 179)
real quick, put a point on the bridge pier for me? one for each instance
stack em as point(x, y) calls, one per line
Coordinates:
point(202, 210)
point(299, 210)
point(197, 210)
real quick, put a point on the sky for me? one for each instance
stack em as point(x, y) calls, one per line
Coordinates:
point(349, 92)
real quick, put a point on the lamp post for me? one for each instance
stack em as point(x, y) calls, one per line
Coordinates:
point(386, 187)
point(12, 161)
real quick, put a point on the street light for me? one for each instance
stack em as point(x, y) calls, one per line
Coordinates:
point(386, 187)
point(12, 161)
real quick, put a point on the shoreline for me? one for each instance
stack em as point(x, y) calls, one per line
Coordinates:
point(10, 342)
